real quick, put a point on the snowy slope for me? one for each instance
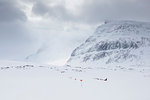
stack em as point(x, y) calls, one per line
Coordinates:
point(72, 83)
point(115, 43)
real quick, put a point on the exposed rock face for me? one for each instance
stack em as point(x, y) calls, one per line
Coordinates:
point(117, 43)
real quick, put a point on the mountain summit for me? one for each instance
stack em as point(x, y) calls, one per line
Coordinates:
point(115, 43)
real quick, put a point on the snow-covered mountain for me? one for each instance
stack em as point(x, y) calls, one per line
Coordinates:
point(115, 43)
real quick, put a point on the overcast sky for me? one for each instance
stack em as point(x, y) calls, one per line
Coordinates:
point(48, 30)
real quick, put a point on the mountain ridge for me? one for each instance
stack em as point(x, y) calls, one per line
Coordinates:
point(115, 43)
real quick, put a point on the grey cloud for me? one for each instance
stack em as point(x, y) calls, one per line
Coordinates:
point(14, 34)
point(58, 11)
point(95, 11)
point(40, 8)
point(9, 11)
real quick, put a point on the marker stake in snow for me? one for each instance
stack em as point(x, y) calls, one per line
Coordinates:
point(81, 83)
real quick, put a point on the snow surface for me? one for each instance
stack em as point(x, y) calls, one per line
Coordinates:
point(44, 82)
